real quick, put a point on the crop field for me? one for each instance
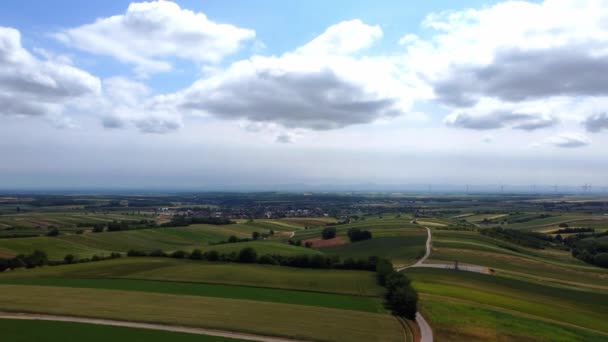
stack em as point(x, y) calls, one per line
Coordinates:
point(89, 244)
point(321, 299)
point(359, 283)
point(206, 312)
point(402, 250)
point(535, 290)
point(30, 331)
point(584, 309)
point(458, 321)
point(554, 266)
point(263, 247)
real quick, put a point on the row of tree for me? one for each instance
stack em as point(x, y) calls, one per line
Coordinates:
point(401, 298)
point(250, 255)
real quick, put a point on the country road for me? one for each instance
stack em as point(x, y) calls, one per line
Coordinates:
point(151, 326)
point(426, 333)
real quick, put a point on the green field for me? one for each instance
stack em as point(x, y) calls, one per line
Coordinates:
point(568, 306)
point(263, 247)
point(337, 301)
point(207, 312)
point(402, 250)
point(457, 321)
point(165, 269)
point(34, 331)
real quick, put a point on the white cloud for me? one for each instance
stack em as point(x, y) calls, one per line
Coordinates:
point(566, 140)
point(319, 86)
point(344, 38)
point(150, 33)
point(515, 55)
point(30, 86)
point(127, 102)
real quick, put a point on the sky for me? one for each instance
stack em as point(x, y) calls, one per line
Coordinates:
point(195, 95)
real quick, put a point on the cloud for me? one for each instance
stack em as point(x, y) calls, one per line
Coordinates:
point(344, 38)
point(284, 139)
point(499, 119)
point(315, 87)
point(556, 50)
point(567, 140)
point(148, 34)
point(130, 103)
point(487, 139)
point(596, 122)
point(33, 87)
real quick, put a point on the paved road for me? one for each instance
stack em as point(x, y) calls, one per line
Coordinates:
point(173, 328)
point(426, 333)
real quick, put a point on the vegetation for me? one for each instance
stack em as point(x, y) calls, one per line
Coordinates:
point(25, 331)
point(328, 233)
point(356, 234)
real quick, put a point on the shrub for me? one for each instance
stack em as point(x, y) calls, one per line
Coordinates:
point(157, 253)
point(196, 254)
point(179, 254)
point(212, 255)
point(248, 255)
point(53, 232)
point(328, 233)
point(355, 234)
point(69, 259)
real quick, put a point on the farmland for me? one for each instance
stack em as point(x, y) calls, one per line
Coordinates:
point(531, 292)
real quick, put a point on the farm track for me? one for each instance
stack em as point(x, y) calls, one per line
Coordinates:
point(150, 326)
point(426, 333)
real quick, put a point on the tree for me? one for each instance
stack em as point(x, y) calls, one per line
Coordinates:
point(38, 258)
point(212, 255)
point(403, 302)
point(328, 233)
point(383, 269)
point(356, 234)
point(248, 255)
point(69, 259)
point(196, 254)
point(233, 239)
point(98, 228)
point(255, 235)
point(53, 232)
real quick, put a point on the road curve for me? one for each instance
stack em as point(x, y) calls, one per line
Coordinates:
point(426, 333)
point(151, 326)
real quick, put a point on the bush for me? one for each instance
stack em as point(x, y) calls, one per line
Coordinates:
point(355, 234)
point(384, 268)
point(328, 233)
point(98, 228)
point(53, 232)
point(196, 254)
point(267, 259)
point(69, 259)
point(179, 254)
point(255, 235)
point(157, 253)
point(134, 253)
point(248, 255)
point(212, 255)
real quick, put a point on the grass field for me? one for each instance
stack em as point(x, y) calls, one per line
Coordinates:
point(460, 322)
point(328, 300)
point(34, 331)
point(568, 306)
point(299, 321)
point(548, 265)
point(165, 269)
point(263, 247)
point(402, 250)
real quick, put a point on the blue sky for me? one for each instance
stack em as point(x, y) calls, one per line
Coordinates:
point(195, 94)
